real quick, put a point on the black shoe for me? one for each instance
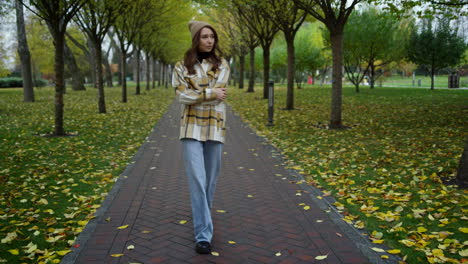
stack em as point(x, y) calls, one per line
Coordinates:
point(203, 247)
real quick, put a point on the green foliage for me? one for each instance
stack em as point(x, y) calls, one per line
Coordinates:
point(18, 82)
point(373, 39)
point(3, 55)
point(436, 48)
point(51, 186)
point(40, 45)
point(386, 171)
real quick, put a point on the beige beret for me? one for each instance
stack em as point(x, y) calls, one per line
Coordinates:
point(195, 26)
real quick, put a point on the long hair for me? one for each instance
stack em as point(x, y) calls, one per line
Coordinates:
point(214, 56)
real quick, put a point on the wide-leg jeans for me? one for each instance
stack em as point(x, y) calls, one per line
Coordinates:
point(202, 164)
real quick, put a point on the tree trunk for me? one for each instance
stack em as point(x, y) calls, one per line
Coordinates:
point(92, 61)
point(266, 70)
point(290, 91)
point(99, 77)
point(148, 65)
point(241, 71)
point(462, 174)
point(432, 77)
point(137, 58)
point(77, 77)
point(154, 73)
point(336, 37)
point(356, 85)
point(123, 73)
point(25, 55)
point(166, 75)
point(372, 75)
point(59, 43)
point(250, 89)
point(161, 71)
point(109, 81)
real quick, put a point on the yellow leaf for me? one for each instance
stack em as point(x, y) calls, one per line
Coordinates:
point(232, 242)
point(14, 251)
point(220, 211)
point(216, 254)
point(249, 195)
point(394, 251)
point(130, 247)
point(146, 231)
point(463, 253)
point(321, 257)
point(116, 255)
point(122, 227)
point(10, 237)
point(182, 222)
point(278, 254)
point(82, 223)
point(63, 252)
point(378, 249)
point(421, 229)
point(384, 256)
point(463, 229)
point(306, 207)
point(379, 241)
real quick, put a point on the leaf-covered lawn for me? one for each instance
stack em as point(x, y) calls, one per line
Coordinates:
point(51, 186)
point(386, 171)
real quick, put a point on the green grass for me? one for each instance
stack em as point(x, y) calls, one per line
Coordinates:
point(385, 171)
point(441, 81)
point(51, 186)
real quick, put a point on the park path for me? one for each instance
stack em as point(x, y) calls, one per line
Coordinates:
point(257, 198)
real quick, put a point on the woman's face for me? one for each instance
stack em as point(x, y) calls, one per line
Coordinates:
point(207, 40)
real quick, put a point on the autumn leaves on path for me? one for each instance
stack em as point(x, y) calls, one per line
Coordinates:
point(261, 212)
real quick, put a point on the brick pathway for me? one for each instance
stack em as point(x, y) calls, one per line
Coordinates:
point(260, 209)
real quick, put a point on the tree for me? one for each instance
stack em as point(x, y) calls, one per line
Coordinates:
point(334, 14)
point(57, 14)
point(308, 51)
point(127, 25)
point(95, 18)
point(435, 48)
point(288, 18)
point(25, 55)
point(263, 28)
point(372, 40)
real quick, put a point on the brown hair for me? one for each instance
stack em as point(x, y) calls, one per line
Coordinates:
point(190, 58)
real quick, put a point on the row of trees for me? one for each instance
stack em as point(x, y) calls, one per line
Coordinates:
point(259, 21)
point(144, 26)
point(130, 27)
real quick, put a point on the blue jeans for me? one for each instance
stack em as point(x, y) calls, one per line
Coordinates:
point(202, 165)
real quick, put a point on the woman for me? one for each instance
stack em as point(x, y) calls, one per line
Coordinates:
point(200, 82)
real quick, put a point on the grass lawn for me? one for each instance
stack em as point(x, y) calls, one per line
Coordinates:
point(51, 186)
point(441, 81)
point(386, 171)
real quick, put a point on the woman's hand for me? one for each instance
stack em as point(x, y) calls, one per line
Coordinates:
point(220, 93)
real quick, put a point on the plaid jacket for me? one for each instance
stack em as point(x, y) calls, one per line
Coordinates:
point(203, 116)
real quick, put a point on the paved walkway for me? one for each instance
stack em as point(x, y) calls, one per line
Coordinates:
point(258, 203)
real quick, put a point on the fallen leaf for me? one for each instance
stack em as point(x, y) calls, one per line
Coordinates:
point(14, 251)
point(278, 254)
point(394, 251)
point(63, 252)
point(384, 256)
point(216, 254)
point(321, 257)
point(378, 249)
point(182, 222)
point(117, 255)
point(146, 231)
point(463, 229)
point(122, 227)
point(220, 211)
point(338, 234)
point(306, 207)
point(231, 242)
point(10, 237)
point(130, 247)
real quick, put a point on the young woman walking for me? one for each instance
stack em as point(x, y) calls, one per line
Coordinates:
point(200, 84)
